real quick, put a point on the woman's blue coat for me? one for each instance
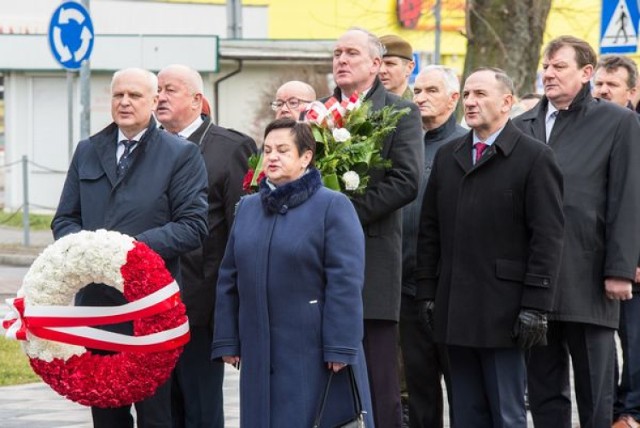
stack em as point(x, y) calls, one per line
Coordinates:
point(289, 300)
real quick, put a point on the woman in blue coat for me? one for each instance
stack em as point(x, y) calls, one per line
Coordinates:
point(289, 293)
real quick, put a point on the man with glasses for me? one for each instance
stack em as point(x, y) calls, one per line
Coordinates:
point(292, 99)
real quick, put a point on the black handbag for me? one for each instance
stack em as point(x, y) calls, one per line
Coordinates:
point(357, 421)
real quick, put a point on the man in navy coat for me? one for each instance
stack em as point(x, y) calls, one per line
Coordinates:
point(133, 178)
point(489, 247)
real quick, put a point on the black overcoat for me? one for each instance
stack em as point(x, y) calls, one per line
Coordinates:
point(225, 153)
point(597, 146)
point(379, 208)
point(490, 237)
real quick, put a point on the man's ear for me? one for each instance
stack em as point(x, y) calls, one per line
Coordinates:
point(197, 101)
point(410, 66)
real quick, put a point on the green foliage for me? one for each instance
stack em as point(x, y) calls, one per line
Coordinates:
point(14, 364)
point(36, 221)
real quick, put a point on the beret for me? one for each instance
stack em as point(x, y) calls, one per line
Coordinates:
point(397, 46)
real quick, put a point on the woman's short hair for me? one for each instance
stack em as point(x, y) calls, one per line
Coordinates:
point(301, 131)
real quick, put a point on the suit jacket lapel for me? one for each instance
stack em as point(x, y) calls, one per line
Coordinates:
point(462, 153)
point(106, 149)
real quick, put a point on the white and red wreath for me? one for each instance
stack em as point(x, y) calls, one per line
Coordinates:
point(55, 334)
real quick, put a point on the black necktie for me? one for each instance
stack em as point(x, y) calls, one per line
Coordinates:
point(125, 159)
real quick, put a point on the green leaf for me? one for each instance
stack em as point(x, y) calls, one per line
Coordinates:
point(331, 181)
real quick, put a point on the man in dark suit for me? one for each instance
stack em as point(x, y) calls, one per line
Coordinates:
point(356, 61)
point(615, 80)
point(135, 179)
point(489, 244)
point(596, 146)
point(197, 381)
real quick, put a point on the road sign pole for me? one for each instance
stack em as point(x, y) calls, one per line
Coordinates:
point(85, 92)
point(70, 112)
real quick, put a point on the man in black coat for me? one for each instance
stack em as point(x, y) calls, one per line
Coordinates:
point(197, 381)
point(356, 61)
point(615, 80)
point(596, 146)
point(154, 191)
point(436, 92)
point(489, 245)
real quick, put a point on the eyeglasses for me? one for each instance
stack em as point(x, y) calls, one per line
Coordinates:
point(292, 103)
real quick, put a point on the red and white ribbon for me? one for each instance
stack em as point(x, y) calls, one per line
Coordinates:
point(69, 324)
point(332, 112)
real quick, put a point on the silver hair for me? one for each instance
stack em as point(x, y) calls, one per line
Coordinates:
point(451, 82)
point(152, 79)
point(376, 49)
point(190, 76)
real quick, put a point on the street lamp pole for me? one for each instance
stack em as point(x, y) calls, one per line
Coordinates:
point(438, 30)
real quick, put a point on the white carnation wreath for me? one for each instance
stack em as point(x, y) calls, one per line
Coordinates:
point(117, 260)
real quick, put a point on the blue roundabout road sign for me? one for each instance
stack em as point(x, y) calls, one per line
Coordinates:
point(71, 35)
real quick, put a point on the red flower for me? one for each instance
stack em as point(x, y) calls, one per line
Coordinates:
point(246, 181)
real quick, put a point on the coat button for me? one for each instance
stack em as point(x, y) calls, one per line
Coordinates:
point(545, 282)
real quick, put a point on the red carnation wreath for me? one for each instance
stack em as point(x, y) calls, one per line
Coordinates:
point(56, 350)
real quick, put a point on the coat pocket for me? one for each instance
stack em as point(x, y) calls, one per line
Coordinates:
point(510, 270)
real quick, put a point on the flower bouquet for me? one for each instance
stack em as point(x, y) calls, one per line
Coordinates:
point(349, 138)
point(254, 175)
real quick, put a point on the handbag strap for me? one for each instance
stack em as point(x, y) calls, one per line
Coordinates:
point(355, 396)
point(355, 392)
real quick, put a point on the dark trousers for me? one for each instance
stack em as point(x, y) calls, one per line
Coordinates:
point(196, 392)
point(592, 351)
point(488, 386)
point(627, 400)
point(154, 412)
point(425, 363)
point(381, 351)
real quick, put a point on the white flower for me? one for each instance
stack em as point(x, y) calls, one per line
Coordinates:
point(341, 134)
point(351, 180)
point(63, 269)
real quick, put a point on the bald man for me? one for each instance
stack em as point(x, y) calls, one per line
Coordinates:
point(197, 381)
point(292, 99)
point(135, 179)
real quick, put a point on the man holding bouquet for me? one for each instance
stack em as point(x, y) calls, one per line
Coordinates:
point(357, 57)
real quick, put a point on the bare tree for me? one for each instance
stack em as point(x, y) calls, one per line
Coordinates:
point(506, 34)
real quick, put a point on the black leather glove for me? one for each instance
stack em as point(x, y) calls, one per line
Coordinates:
point(425, 315)
point(530, 328)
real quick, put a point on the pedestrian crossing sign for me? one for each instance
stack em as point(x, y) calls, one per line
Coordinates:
point(619, 26)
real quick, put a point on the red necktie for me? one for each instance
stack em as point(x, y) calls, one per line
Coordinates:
point(480, 147)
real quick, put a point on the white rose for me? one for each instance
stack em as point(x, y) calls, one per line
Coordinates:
point(341, 135)
point(351, 180)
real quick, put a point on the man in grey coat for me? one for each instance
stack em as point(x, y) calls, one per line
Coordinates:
point(356, 61)
point(436, 92)
point(133, 178)
point(596, 146)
